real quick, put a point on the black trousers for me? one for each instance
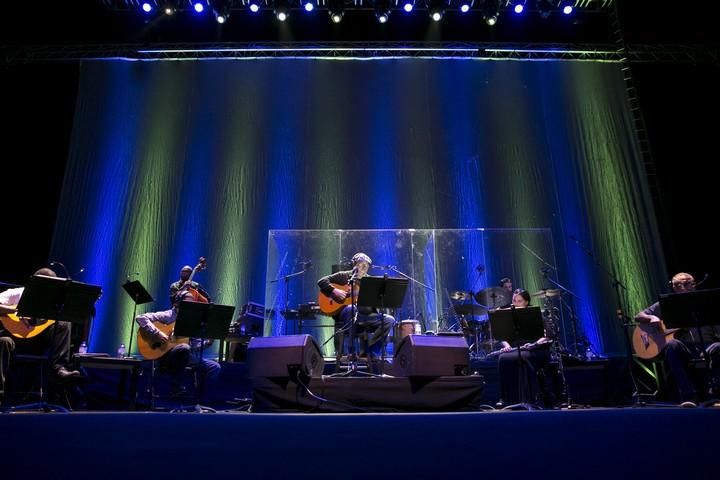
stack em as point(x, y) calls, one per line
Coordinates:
point(509, 370)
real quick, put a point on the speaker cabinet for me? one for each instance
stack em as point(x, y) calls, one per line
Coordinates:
point(431, 356)
point(284, 356)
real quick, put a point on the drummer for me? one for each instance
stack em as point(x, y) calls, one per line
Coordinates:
point(507, 284)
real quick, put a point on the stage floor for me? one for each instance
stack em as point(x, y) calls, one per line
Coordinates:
point(598, 443)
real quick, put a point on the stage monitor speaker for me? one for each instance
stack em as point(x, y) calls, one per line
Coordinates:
point(284, 356)
point(431, 356)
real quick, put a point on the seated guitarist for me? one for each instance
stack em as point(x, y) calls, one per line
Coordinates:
point(679, 351)
point(182, 355)
point(53, 340)
point(336, 286)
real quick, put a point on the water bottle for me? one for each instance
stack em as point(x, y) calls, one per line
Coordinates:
point(121, 351)
point(589, 355)
point(83, 348)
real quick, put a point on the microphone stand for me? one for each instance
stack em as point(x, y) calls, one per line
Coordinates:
point(621, 317)
point(286, 311)
point(393, 268)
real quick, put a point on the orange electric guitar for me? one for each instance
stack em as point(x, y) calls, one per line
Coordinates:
point(330, 306)
point(649, 339)
point(23, 327)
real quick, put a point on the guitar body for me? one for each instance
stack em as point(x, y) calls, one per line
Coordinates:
point(650, 339)
point(153, 351)
point(24, 327)
point(330, 306)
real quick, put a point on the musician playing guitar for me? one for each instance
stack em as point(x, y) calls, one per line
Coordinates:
point(156, 342)
point(31, 336)
point(679, 351)
point(335, 300)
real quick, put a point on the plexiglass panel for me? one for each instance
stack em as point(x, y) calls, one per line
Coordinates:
point(451, 273)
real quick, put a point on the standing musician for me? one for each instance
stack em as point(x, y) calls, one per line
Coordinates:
point(180, 355)
point(53, 340)
point(679, 351)
point(337, 287)
point(536, 355)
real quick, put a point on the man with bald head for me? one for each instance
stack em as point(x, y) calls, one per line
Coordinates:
point(175, 287)
point(686, 346)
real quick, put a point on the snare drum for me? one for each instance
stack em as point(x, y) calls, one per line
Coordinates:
point(405, 328)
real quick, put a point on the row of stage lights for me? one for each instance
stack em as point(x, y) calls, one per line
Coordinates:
point(490, 9)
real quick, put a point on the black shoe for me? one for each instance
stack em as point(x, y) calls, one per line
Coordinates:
point(64, 374)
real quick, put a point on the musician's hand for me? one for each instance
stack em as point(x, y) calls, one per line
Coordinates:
point(526, 346)
point(654, 320)
point(160, 337)
point(339, 295)
point(5, 309)
point(506, 349)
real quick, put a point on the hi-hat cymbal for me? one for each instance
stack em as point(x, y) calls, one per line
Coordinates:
point(548, 292)
point(493, 297)
point(460, 295)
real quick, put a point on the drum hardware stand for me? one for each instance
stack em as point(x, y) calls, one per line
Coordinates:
point(286, 279)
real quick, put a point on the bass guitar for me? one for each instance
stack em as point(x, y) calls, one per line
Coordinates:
point(187, 292)
point(649, 339)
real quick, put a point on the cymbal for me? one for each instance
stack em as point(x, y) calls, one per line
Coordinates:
point(548, 292)
point(493, 297)
point(460, 295)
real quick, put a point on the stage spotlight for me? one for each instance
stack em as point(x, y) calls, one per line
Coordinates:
point(199, 6)
point(336, 8)
point(566, 7)
point(519, 6)
point(408, 5)
point(282, 10)
point(382, 10)
point(221, 8)
point(465, 5)
point(168, 8)
point(147, 7)
point(254, 5)
point(490, 11)
point(436, 9)
point(308, 5)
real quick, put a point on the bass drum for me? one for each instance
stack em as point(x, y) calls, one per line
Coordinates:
point(404, 328)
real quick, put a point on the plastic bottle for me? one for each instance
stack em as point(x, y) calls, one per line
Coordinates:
point(83, 348)
point(121, 351)
point(589, 355)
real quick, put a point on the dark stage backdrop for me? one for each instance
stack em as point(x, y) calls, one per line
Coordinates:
point(173, 160)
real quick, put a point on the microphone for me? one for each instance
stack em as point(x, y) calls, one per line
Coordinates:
point(60, 264)
point(132, 274)
point(306, 265)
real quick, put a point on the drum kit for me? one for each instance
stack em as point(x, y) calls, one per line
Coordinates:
point(470, 309)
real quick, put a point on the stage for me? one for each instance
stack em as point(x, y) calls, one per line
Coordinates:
point(588, 444)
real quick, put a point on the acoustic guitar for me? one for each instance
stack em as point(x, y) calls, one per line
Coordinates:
point(151, 350)
point(329, 306)
point(649, 339)
point(23, 327)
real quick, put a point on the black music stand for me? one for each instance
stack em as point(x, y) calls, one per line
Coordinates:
point(381, 293)
point(694, 309)
point(139, 296)
point(518, 326)
point(60, 299)
point(206, 321)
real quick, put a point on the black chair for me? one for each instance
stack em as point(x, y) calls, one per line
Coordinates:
point(40, 386)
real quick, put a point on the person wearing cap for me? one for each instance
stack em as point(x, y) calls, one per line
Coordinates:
point(369, 320)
